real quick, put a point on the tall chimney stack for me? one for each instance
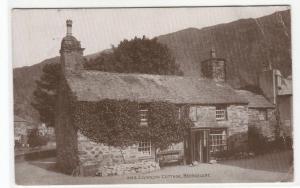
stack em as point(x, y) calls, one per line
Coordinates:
point(69, 27)
point(214, 67)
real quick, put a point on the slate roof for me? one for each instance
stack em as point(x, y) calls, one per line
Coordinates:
point(96, 86)
point(255, 100)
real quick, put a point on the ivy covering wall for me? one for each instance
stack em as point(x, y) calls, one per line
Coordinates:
point(117, 123)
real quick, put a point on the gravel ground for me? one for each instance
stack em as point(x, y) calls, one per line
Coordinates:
point(273, 167)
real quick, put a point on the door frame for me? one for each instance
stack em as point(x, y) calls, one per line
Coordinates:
point(189, 142)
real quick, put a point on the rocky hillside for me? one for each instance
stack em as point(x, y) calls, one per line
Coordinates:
point(246, 44)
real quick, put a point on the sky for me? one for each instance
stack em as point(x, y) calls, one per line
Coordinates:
point(37, 33)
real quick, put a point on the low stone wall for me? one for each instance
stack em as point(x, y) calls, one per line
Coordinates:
point(110, 160)
point(124, 169)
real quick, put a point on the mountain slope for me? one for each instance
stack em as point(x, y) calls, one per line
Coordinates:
point(24, 84)
point(246, 44)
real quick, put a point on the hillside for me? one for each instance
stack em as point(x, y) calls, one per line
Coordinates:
point(24, 84)
point(246, 44)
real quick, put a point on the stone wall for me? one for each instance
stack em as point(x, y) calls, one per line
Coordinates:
point(265, 127)
point(108, 160)
point(236, 123)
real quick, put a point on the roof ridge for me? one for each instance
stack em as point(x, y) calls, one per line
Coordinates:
point(145, 74)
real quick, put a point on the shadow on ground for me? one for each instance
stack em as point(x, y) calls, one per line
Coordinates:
point(48, 164)
point(274, 162)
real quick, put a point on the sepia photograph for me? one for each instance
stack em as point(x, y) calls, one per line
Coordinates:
point(152, 95)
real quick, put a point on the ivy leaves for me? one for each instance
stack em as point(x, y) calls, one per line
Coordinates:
point(117, 123)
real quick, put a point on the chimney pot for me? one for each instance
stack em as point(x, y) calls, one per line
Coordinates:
point(69, 27)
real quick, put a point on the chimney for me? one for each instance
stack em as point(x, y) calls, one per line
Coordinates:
point(71, 53)
point(214, 67)
point(69, 27)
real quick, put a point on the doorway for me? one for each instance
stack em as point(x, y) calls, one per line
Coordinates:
point(197, 146)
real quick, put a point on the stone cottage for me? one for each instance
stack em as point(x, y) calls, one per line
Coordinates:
point(218, 112)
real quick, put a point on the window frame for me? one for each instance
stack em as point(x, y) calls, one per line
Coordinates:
point(263, 113)
point(221, 113)
point(143, 115)
point(145, 148)
point(193, 116)
point(179, 113)
point(218, 141)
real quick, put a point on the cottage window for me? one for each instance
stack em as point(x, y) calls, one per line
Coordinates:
point(179, 113)
point(143, 113)
point(263, 115)
point(193, 113)
point(144, 148)
point(218, 141)
point(221, 113)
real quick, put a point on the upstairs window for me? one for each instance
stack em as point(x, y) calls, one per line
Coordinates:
point(193, 113)
point(179, 111)
point(263, 115)
point(221, 113)
point(143, 114)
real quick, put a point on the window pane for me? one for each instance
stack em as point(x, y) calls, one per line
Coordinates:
point(218, 141)
point(144, 148)
point(221, 113)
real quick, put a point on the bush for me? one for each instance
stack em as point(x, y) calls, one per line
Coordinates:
point(35, 140)
point(257, 142)
point(260, 144)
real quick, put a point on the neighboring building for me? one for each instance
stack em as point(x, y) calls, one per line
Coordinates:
point(285, 106)
point(22, 129)
point(261, 114)
point(279, 91)
point(219, 113)
point(43, 130)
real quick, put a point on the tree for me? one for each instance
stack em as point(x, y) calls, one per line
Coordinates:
point(139, 55)
point(45, 94)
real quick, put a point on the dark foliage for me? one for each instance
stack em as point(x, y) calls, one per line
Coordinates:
point(260, 144)
point(45, 94)
point(117, 123)
point(138, 55)
point(257, 142)
point(166, 126)
point(34, 139)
